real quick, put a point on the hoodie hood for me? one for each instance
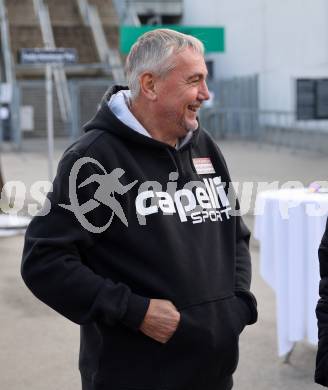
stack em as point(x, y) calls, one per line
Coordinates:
point(113, 118)
point(119, 104)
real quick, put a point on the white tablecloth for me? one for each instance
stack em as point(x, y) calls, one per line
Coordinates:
point(289, 225)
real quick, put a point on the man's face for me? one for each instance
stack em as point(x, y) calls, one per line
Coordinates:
point(181, 93)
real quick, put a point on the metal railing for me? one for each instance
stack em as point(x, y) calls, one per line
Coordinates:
point(280, 128)
point(276, 127)
point(84, 11)
point(59, 72)
point(108, 55)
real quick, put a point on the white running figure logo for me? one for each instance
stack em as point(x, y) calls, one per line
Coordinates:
point(109, 184)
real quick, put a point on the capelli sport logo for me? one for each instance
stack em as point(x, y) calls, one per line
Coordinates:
point(206, 202)
point(198, 201)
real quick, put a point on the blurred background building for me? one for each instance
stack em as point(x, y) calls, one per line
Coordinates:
point(268, 74)
point(269, 80)
point(284, 45)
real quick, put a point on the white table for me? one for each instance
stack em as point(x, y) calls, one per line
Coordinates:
point(289, 225)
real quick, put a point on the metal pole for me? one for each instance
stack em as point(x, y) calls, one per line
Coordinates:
point(1, 130)
point(16, 130)
point(50, 120)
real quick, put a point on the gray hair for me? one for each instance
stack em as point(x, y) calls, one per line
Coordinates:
point(154, 51)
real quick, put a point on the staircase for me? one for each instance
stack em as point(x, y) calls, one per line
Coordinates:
point(78, 37)
point(112, 36)
point(64, 12)
point(109, 20)
point(21, 12)
point(24, 28)
point(63, 25)
point(24, 37)
point(107, 12)
point(104, 22)
point(69, 30)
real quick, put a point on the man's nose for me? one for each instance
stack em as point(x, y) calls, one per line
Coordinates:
point(203, 91)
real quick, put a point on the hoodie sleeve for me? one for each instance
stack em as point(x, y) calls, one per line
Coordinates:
point(52, 265)
point(321, 371)
point(243, 270)
point(243, 273)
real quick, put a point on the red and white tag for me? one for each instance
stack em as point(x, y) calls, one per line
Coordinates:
point(203, 165)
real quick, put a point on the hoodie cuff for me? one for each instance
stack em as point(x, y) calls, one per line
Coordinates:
point(251, 302)
point(135, 312)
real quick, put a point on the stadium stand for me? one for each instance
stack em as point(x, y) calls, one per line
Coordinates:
point(109, 19)
point(70, 31)
point(89, 26)
point(24, 27)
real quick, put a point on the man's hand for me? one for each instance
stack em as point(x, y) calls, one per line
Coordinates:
point(161, 320)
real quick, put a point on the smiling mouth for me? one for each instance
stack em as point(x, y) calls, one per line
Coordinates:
point(193, 108)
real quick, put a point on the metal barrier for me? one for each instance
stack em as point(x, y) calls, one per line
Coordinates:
point(223, 122)
point(85, 95)
point(280, 128)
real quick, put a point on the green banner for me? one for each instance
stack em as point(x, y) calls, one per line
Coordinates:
point(212, 37)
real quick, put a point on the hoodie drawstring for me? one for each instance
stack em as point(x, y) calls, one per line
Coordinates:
point(170, 153)
point(177, 161)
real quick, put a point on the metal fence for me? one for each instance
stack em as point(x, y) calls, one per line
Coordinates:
point(223, 119)
point(236, 114)
point(280, 128)
point(236, 92)
point(85, 96)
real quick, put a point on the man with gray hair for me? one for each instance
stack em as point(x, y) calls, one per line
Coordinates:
point(160, 283)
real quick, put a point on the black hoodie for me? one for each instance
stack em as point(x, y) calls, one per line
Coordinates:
point(167, 239)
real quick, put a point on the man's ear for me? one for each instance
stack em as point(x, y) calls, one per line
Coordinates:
point(147, 85)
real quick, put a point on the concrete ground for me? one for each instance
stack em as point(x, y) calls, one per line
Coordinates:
point(39, 348)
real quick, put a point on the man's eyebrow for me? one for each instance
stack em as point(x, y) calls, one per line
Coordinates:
point(200, 75)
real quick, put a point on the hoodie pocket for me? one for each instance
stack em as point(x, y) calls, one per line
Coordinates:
point(128, 360)
point(202, 354)
point(203, 351)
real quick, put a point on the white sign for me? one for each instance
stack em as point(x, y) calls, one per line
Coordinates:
point(48, 56)
point(6, 92)
point(27, 118)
